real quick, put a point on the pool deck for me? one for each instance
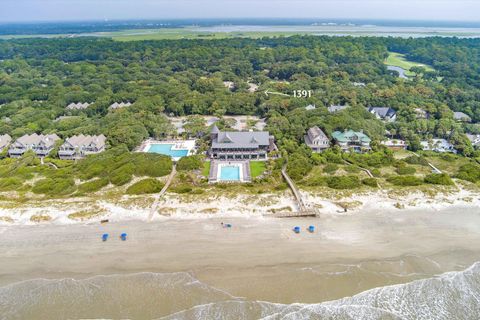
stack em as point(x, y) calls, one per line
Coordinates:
point(215, 166)
point(177, 145)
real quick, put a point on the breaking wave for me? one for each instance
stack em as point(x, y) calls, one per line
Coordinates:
point(453, 295)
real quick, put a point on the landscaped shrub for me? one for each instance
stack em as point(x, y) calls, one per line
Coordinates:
point(371, 182)
point(54, 187)
point(330, 168)
point(438, 178)
point(189, 163)
point(145, 186)
point(343, 182)
point(469, 172)
point(405, 181)
point(374, 159)
point(92, 186)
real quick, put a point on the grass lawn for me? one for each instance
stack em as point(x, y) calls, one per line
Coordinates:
point(206, 168)
point(398, 60)
point(257, 168)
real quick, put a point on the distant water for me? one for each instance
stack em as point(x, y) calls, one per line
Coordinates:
point(453, 295)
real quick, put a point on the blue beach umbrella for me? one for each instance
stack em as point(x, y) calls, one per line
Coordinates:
point(123, 236)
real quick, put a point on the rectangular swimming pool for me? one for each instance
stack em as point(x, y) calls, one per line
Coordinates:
point(230, 173)
point(166, 149)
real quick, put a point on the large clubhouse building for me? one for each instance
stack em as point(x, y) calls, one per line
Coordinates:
point(232, 145)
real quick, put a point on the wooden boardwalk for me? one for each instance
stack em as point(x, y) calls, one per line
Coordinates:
point(154, 207)
point(303, 210)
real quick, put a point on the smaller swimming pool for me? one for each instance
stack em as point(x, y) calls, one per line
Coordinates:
point(230, 173)
point(166, 149)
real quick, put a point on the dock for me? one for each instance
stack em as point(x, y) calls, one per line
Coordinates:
point(303, 210)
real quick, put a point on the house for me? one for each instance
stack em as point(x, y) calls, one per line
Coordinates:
point(4, 141)
point(350, 140)
point(41, 144)
point(438, 145)
point(120, 105)
point(234, 145)
point(460, 116)
point(317, 140)
point(475, 140)
point(310, 107)
point(394, 144)
point(80, 146)
point(422, 114)
point(78, 106)
point(333, 109)
point(383, 113)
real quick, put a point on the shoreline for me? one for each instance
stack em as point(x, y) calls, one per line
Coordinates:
point(173, 206)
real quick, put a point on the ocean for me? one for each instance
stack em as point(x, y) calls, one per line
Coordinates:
point(453, 295)
point(374, 264)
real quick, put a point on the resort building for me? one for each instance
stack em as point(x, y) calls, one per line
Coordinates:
point(460, 116)
point(42, 145)
point(80, 146)
point(4, 141)
point(394, 144)
point(350, 140)
point(120, 105)
point(383, 113)
point(78, 106)
point(438, 145)
point(317, 140)
point(333, 109)
point(232, 145)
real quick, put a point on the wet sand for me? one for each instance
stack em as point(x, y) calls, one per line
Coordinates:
point(259, 259)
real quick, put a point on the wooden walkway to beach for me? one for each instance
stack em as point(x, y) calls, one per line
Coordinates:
point(154, 207)
point(303, 210)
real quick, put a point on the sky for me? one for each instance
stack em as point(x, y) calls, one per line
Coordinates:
point(76, 10)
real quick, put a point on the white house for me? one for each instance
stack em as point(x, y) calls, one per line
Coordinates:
point(317, 140)
point(438, 145)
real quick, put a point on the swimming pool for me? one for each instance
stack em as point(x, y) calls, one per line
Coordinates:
point(230, 173)
point(166, 149)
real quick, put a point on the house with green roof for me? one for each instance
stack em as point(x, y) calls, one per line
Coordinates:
point(350, 140)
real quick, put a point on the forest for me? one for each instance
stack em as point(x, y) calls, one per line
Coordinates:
point(40, 77)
